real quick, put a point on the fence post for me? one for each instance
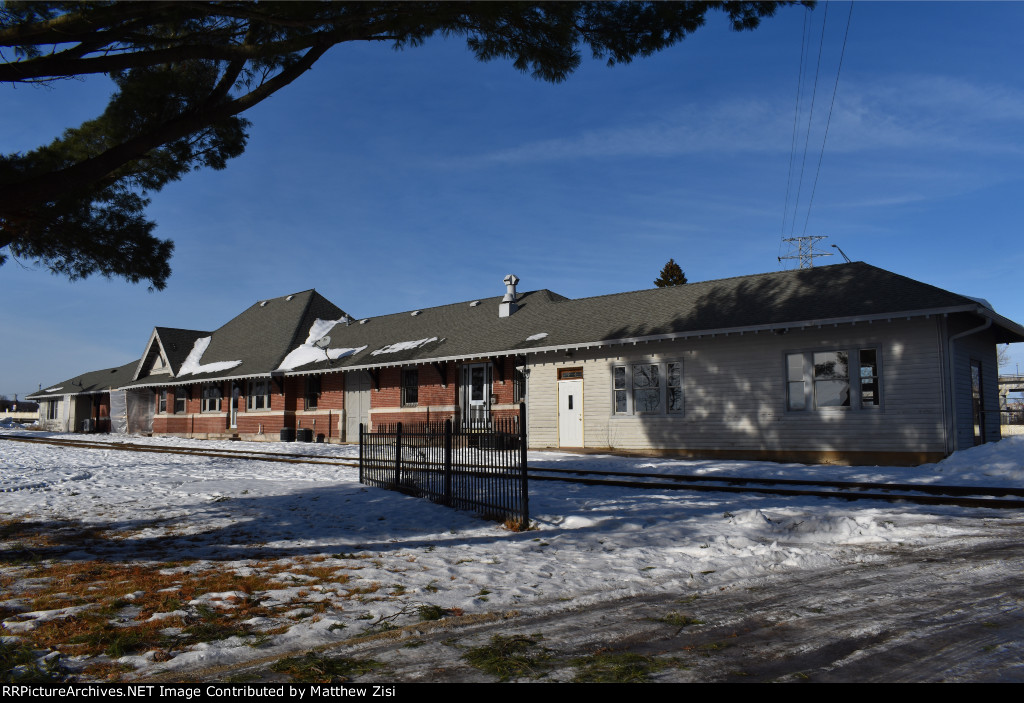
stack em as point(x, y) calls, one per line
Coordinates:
point(524, 483)
point(398, 455)
point(361, 452)
point(448, 462)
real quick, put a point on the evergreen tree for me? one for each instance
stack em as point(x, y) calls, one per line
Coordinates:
point(671, 275)
point(185, 72)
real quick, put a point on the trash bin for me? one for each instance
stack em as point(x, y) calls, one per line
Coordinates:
point(304, 434)
point(287, 434)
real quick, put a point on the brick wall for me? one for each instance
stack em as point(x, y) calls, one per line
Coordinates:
point(435, 402)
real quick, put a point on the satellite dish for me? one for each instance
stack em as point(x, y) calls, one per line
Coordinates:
point(323, 342)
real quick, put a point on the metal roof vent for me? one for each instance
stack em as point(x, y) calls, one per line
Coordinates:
point(508, 304)
point(289, 297)
point(263, 303)
point(414, 313)
point(364, 320)
point(474, 303)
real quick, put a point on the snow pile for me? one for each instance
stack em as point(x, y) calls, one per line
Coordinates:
point(403, 346)
point(996, 463)
point(308, 352)
point(192, 365)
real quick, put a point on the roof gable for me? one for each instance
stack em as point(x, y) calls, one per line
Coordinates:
point(255, 342)
point(165, 351)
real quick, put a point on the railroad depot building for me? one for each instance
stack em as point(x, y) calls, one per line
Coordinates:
point(846, 364)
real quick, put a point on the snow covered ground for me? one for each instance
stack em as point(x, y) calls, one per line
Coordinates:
point(392, 555)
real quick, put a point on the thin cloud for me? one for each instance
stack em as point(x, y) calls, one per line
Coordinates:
point(933, 113)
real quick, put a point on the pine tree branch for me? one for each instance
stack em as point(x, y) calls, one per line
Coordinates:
point(19, 197)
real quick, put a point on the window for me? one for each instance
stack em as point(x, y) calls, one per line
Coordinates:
point(259, 394)
point(179, 400)
point(518, 386)
point(211, 399)
point(648, 388)
point(312, 392)
point(53, 410)
point(822, 379)
point(162, 402)
point(410, 387)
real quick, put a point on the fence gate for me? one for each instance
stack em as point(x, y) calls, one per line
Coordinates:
point(467, 469)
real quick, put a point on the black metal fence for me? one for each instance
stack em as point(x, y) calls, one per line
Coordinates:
point(464, 468)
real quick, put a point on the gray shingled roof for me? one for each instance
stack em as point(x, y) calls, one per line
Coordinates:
point(259, 338)
point(91, 382)
point(177, 343)
point(262, 336)
point(780, 299)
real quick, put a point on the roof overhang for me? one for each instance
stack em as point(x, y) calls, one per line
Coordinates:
point(694, 334)
point(1010, 328)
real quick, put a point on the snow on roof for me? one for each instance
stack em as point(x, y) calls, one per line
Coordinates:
point(535, 337)
point(192, 365)
point(51, 390)
point(402, 346)
point(308, 352)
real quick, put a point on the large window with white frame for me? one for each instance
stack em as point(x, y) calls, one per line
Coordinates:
point(212, 398)
point(833, 378)
point(258, 396)
point(648, 388)
point(180, 397)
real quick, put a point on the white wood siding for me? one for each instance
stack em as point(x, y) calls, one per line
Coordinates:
point(734, 394)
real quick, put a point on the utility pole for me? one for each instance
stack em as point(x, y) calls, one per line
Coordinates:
point(805, 252)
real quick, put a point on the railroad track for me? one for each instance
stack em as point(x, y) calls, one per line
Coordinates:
point(999, 497)
point(965, 496)
point(248, 454)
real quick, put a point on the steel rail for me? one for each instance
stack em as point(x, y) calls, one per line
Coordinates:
point(846, 490)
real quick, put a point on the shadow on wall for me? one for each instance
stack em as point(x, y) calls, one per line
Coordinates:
point(740, 408)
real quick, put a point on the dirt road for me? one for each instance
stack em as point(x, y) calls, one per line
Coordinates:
point(947, 614)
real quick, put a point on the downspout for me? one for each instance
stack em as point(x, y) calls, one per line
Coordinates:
point(951, 426)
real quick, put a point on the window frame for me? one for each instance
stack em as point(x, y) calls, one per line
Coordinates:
point(663, 381)
point(207, 397)
point(313, 390)
point(161, 401)
point(410, 384)
point(180, 398)
point(253, 387)
point(53, 410)
point(811, 380)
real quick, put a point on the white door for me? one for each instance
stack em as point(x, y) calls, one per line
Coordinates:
point(236, 392)
point(570, 413)
point(476, 395)
point(357, 404)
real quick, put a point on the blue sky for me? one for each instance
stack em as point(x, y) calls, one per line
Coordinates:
point(392, 181)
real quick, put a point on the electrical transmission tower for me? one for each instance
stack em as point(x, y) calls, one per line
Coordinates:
point(805, 252)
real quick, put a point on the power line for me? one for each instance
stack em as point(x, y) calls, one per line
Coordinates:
point(796, 119)
point(810, 119)
point(828, 122)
